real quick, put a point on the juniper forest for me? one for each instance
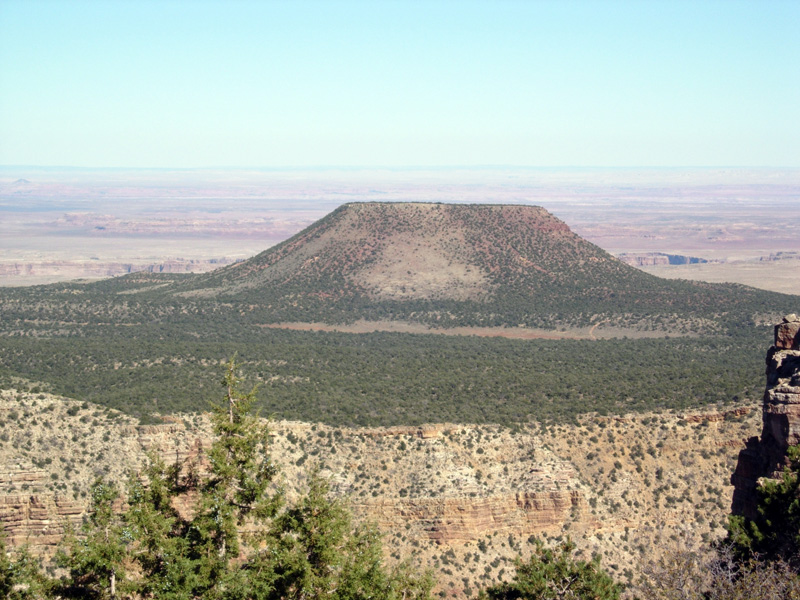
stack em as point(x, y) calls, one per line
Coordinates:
point(143, 343)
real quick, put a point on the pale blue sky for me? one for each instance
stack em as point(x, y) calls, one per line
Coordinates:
point(137, 83)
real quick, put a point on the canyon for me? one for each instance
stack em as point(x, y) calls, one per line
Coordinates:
point(462, 499)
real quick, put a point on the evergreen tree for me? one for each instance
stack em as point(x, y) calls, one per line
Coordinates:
point(96, 559)
point(314, 552)
point(241, 472)
point(553, 574)
point(179, 538)
point(21, 577)
point(161, 551)
point(191, 556)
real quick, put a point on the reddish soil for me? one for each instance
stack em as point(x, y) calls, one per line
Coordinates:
point(520, 333)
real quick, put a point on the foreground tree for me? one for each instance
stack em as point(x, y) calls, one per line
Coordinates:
point(161, 550)
point(192, 553)
point(21, 577)
point(96, 558)
point(553, 574)
point(314, 552)
point(179, 537)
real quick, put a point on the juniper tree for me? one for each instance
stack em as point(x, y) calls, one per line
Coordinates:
point(96, 559)
point(553, 574)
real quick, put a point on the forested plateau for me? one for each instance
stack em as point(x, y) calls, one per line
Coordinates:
point(143, 343)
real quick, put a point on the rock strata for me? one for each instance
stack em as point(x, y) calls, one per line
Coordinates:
point(459, 520)
point(766, 456)
point(91, 269)
point(38, 521)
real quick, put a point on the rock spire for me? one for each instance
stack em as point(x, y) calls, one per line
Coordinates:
point(766, 457)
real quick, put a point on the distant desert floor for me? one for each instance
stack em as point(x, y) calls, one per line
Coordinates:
point(777, 275)
point(58, 225)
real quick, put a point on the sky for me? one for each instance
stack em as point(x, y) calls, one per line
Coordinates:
point(417, 83)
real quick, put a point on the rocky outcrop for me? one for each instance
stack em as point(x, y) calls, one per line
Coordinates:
point(36, 520)
point(766, 456)
point(715, 417)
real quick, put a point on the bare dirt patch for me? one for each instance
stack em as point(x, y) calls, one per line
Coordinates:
point(434, 273)
point(519, 333)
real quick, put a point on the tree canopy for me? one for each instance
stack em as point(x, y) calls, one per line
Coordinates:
point(554, 574)
point(775, 533)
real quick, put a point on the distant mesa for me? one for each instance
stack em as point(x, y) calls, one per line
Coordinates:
point(20, 186)
point(425, 251)
point(650, 259)
point(442, 266)
point(451, 265)
point(775, 256)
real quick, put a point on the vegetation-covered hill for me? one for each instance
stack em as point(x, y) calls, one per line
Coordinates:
point(143, 343)
point(448, 265)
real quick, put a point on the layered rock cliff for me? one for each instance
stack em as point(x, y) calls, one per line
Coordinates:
point(766, 456)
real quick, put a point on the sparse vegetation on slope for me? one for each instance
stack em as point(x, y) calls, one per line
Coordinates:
point(431, 489)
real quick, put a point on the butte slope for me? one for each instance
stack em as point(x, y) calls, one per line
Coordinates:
point(448, 265)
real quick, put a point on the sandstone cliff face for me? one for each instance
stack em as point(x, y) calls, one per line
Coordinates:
point(651, 259)
point(38, 521)
point(766, 457)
